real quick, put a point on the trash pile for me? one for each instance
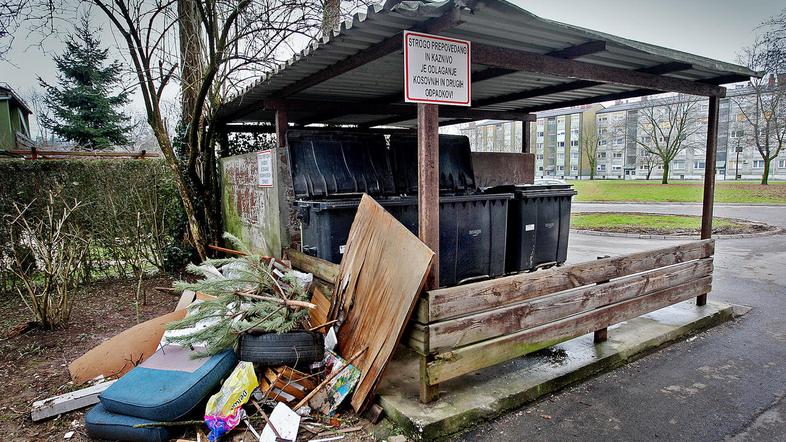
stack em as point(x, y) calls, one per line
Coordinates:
point(256, 349)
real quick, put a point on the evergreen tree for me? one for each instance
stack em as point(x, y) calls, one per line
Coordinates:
point(83, 104)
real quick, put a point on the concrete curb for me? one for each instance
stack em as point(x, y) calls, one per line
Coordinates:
point(482, 396)
point(682, 203)
point(675, 237)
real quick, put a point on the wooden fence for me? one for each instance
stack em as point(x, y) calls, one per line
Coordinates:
point(457, 330)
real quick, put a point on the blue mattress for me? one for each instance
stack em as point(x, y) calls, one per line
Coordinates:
point(102, 424)
point(168, 386)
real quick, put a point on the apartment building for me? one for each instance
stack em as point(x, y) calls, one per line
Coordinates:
point(555, 139)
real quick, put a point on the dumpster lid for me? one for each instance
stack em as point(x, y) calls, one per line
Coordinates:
point(455, 163)
point(333, 163)
point(523, 190)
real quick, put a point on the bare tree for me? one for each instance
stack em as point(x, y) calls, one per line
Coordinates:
point(40, 112)
point(666, 128)
point(647, 159)
point(764, 110)
point(589, 148)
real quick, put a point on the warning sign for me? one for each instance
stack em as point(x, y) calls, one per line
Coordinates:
point(436, 69)
point(265, 168)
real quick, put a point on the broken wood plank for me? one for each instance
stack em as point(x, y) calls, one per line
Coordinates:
point(382, 273)
point(67, 402)
point(186, 299)
point(549, 308)
point(318, 315)
point(318, 267)
point(494, 351)
point(461, 300)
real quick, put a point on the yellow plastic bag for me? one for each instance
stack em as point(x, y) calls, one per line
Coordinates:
point(223, 410)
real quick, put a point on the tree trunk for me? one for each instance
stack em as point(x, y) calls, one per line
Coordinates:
point(191, 63)
point(331, 16)
point(665, 178)
point(765, 177)
point(649, 173)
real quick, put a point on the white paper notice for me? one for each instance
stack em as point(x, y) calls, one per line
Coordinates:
point(436, 70)
point(286, 422)
point(265, 168)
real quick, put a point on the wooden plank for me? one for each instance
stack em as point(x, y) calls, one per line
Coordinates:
point(543, 64)
point(428, 185)
point(320, 268)
point(185, 300)
point(381, 276)
point(461, 300)
point(318, 315)
point(416, 338)
point(553, 307)
point(487, 353)
point(501, 168)
point(70, 401)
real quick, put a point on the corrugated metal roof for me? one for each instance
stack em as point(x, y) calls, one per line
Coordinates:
point(491, 22)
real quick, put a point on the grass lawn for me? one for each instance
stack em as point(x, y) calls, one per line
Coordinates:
point(678, 191)
point(652, 223)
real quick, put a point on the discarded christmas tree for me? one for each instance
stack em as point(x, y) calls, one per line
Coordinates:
point(251, 293)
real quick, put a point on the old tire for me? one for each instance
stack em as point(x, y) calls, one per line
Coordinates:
point(272, 349)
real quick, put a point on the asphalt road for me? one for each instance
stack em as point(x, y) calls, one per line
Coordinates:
point(726, 383)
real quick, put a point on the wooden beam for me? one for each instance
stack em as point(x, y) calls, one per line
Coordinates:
point(324, 270)
point(452, 302)
point(428, 212)
point(576, 51)
point(526, 135)
point(543, 64)
point(282, 125)
point(590, 100)
point(70, 401)
point(575, 85)
point(443, 336)
point(405, 110)
point(467, 359)
point(709, 176)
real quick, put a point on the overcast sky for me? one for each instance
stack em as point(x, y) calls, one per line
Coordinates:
point(712, 28)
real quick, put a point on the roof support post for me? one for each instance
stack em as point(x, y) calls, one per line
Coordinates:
point(428, 211)
point(709, 176)
point(287, 214)
point(526, 130)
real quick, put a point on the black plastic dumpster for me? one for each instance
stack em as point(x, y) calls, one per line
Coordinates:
point(538, 225)
point(330, 170)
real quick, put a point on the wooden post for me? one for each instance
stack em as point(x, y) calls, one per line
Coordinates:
point(601, 335)
point(428, 211)
point(281, 128)
point(709, 176)
point(525, 137)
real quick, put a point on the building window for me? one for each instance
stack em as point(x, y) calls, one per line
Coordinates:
point(574, 143)
point(782, 164)
point(560, 168)
point(619, 141)
point(540, 168)
point(601, 167)
point(737, 133)
point(574, 168)
point(575, 156)
point(758, 164)
point(540, 134)
point(539, 157)
point(679, 165)
point(698, 164)
point(602, 155)
point(601, 142)
point(561, 144)
point(617, 154)
point(616, 167)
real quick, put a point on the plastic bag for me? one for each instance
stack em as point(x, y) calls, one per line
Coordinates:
point(223, 411)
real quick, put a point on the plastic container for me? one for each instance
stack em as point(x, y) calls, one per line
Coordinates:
point(455, 164)
point(335, 164)
point(472, 231)
point(538, 225)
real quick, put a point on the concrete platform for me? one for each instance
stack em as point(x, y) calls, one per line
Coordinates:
point(487, 393)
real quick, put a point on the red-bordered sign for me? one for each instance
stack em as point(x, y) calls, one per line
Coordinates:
point(437, 70)
point(265, 168)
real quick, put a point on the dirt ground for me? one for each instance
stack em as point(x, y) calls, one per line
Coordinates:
point(33, 365)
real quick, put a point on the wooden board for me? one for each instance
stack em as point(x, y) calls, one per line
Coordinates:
point(382, 272)
point(461, 300)
point(121, 353)
point(70, 401)
point(548, 308)
point(503, 168)
point(320, 268)
point(495, 351)
point(318, 316)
